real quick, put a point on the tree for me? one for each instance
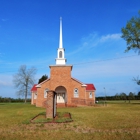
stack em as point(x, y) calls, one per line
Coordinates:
point(43, 78)
point(131, 33)
point(131, 96)
point(123, 96)
point(24, 80)
point(136, 80)
point(117, 96)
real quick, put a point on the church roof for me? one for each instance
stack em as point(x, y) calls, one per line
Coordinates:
point(34, 88)
point(90, 87)
point(77, 81)
point(39, 85)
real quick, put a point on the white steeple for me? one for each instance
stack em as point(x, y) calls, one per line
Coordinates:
point(60, 37)
point(60, 60)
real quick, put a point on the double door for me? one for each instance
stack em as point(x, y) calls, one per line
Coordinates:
point(61, 97)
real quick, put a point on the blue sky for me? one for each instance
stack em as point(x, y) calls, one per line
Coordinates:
point(29, 35)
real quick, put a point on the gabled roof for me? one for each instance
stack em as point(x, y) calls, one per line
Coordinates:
point(34, 88)
point(39, 85)
point(90, 87)
point(77, 81)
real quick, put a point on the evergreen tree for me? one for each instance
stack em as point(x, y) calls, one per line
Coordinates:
point(43, 78)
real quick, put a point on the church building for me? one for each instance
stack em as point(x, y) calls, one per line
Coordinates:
point(70, 91)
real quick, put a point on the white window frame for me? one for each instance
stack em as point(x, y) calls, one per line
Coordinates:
point(45, 92)
point(76, 93)
point(90, 95)
point(35, 95)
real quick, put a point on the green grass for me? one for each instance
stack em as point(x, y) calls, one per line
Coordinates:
point(116, 121)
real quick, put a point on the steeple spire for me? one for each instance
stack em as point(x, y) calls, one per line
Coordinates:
point(60, 39)
point(60, 60)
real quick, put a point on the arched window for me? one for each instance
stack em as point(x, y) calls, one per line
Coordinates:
point(76, 94)
point(45, 93)
point(60, 54)
point(90, 95)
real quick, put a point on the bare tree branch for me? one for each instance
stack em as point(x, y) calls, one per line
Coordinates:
point(136, 80)
point(23, 80)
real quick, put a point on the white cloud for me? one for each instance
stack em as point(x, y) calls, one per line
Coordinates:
point(113, 74)
point(4, 83)
point(110, 37)
point(106, 68)
point(93, 40)
point(6, 80)
point(1, 54)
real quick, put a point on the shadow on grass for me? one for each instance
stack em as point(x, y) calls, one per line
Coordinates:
point(135, 103)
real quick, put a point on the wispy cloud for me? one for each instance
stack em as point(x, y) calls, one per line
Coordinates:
point(4, 19)
point(115, 73)
point(110, 37)
point(94, 40)
point(6, 80)
point(1, 54)
point(110, 68)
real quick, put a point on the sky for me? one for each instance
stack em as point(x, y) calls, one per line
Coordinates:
point(29, 35)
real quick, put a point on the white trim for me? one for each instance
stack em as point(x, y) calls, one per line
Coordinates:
point(90, 95)
point(84, 85)
point(60, 66)
point(35, 95)
point(39, 85)
point(46, 92)
point(76, 93)
point(77, 81)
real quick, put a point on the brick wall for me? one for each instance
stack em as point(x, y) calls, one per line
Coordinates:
point(61, 76)
point(88, 96)
point(40, 94)
point(50, 103)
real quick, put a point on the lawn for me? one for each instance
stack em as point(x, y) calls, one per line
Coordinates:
point(116, 121)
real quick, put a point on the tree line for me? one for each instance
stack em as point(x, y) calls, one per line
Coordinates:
point(12, 100)
point(121, 96)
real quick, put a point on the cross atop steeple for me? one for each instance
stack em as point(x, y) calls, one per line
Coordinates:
point(60, 60)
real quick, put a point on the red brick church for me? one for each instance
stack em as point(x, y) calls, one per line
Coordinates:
point(70, 91)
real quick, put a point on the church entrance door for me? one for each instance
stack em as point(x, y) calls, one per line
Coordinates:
point(61, 94)
point(60, 97)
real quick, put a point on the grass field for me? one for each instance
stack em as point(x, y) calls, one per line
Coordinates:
point(116, 121)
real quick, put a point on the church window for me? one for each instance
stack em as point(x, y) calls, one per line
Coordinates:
point(35, 95)
point(76, 94)
point(45, 93)
point(90, 95)
point(60, 54)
